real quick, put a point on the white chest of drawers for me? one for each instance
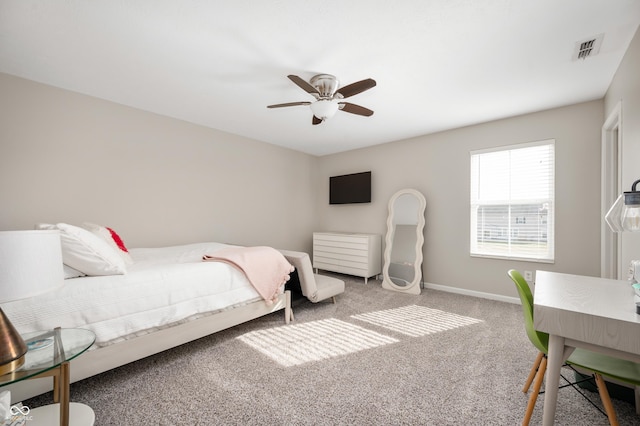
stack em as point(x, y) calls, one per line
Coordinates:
point(347, 253)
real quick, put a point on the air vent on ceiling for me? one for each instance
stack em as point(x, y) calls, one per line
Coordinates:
point(587, 48)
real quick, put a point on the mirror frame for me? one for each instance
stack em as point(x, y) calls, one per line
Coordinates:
point(414, 286)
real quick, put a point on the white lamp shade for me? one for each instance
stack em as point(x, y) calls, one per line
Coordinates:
point(30, 263)
point(624, 214)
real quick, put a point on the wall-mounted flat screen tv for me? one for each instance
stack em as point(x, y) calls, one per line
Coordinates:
point(350, 189)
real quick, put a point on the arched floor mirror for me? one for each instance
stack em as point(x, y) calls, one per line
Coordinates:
point(402, 270)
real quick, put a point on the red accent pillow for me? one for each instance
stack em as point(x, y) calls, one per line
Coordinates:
point(117, 240)
point(112, 237)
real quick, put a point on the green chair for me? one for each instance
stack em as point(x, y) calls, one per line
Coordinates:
point(599, 365)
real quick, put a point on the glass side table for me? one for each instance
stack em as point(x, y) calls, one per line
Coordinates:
point(48, 355)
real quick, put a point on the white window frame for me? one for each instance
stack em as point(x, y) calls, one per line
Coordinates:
point(510, 250)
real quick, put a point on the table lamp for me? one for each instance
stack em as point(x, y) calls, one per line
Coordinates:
point(624, 214)
point(30, 264)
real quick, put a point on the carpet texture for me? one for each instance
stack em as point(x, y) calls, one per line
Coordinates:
point(416, 320)
point(290, 345)
point(375, 370)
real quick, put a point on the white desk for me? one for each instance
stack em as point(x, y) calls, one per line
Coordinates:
point(577, 311)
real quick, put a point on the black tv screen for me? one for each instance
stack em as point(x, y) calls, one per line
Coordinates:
point(350, 189)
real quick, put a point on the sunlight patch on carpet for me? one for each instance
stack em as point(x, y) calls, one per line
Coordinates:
point(313, 341)
point(415, 321)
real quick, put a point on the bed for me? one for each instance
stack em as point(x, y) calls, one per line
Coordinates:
point(167, 297)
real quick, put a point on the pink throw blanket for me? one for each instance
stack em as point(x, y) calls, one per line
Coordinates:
point(265, 267)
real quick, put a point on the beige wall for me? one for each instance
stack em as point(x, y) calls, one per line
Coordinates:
point(625, 89)
point(66, 157)
point(438, 166)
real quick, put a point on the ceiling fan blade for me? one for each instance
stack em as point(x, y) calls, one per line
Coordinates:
point(288, 104)
point(357, 87)
point(355, 109)
point(303, 84)
point(316, 120)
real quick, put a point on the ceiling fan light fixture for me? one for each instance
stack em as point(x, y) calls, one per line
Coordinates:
point(324, 108)
point(328, 97)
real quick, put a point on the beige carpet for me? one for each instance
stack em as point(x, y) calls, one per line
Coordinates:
point(415, 321)
point(374, 358)
point(290, 345)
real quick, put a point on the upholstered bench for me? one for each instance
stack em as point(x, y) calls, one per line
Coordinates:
point(315, 287)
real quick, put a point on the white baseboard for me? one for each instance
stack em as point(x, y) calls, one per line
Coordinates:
point(448, 289)
point(466, 292)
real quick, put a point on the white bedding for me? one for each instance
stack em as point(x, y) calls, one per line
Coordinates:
point(162, 287)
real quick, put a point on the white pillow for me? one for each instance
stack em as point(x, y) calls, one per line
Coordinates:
point(86, 252)
point(69, 272)
point(110, 236)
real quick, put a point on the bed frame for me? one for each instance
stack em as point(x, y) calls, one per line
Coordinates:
point(109, 357)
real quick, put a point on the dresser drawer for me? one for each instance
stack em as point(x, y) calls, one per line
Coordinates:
point(342, 269)
point(353, 245)
point(321, 250)
point(342, 238)
point(351, 261)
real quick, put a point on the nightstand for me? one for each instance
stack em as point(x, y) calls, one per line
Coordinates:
point(48, 355)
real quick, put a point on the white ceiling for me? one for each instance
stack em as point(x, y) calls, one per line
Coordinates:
point(439, 64)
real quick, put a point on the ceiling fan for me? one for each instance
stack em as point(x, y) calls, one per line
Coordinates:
point(324, 87)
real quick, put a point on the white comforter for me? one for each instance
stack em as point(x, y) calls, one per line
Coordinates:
point(163, 286)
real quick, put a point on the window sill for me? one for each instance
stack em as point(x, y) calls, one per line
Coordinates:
point(518, 258)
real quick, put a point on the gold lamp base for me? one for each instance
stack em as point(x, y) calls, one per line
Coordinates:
point(12, 347)
point(11, 366)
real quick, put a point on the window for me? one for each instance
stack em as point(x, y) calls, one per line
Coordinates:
point(512, 202)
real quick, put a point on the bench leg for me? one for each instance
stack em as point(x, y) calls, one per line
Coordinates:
point(288, 312)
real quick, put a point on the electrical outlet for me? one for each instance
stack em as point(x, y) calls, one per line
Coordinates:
point(528, 276)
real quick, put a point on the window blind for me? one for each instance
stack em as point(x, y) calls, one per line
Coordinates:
point(512, 202)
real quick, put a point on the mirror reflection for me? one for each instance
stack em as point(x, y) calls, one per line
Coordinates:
point(403, 250)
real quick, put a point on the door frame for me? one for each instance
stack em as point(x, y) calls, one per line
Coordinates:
point(611, 187)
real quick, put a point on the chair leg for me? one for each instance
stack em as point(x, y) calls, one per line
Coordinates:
point(536, 390)
point(606, 400)
point(532, 373)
